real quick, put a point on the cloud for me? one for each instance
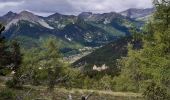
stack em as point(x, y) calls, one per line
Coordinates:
point(9, 4)
point(11, 0)
point(71, 6)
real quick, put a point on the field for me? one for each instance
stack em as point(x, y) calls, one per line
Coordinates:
point(41, 93)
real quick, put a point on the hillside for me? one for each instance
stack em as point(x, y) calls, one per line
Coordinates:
point(106, 55)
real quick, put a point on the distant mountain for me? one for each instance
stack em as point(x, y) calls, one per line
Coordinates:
point(138, 13)
point(8, 17)
point(14, 19)
point(24, 23)
point(87, 29)
point(59, 21)
point(105, 17)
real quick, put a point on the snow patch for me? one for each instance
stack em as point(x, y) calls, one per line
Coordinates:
point(106, 21)
point(60, 26)
point(44, 24)
point(13, 22)
point(69, 39)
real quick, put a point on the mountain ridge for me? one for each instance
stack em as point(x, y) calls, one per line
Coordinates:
point(87, 29)
point(137, 13)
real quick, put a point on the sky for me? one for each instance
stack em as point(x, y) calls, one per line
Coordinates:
point(47, 7)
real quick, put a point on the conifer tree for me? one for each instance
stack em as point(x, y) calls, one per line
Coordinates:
point(4, 52)
point(16, 58)
point(54, 63)
point(151, 64)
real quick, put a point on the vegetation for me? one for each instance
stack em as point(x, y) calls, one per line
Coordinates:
point(7, 94)
point(3, 52)
point(140, 63)
point(147, 69)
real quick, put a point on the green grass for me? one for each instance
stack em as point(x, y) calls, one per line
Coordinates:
point(41, 93)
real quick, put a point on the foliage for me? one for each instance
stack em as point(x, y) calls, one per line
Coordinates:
point(152, 62)
point(146, 67)
point(7, 94)
point(43, 66)
point(107, 55)
point(155, 92)
point(4, 53)
point(16, 58)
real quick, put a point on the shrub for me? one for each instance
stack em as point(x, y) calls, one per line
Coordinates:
point(10, 84)
point(7, 94)
point(155, 92)
point(13, 84)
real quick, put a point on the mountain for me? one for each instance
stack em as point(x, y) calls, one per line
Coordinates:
point(107, 56)
point(72, 32)
point(24, 16)
point(138, 13)
point(59, 21)
point(84, 28)
point(105, 17)
point(8, 17)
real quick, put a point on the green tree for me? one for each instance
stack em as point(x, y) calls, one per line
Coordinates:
point(16, 58)
point(53, 60)
point(4, 53)
point(44, 65)
point(152, 62)
point(155, 92)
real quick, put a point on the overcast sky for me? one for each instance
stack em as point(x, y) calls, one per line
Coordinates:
point(46, 7)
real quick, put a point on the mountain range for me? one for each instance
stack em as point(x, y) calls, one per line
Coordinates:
point(85, 30)
point(109, 54)
point(138, 14)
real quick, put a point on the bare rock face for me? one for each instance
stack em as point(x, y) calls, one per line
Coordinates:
point(13, 19)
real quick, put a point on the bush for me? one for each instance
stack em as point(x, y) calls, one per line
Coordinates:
point(155, 92)
point(7, 94)
point(10, 84)
point(13, 84)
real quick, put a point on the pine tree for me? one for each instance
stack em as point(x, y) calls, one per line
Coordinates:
point(16, 57)
point(151, 64)
point(54, 63)
point(4, 52)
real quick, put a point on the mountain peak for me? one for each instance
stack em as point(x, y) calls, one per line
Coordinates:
point(55, 15)
point(137, 13)
point(85, 14)
point(8, 17)
point(26, 13)
point(10, 14)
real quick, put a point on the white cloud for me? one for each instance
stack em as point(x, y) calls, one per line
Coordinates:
point(9, 4)
point(109, 5)
point(71, 6)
